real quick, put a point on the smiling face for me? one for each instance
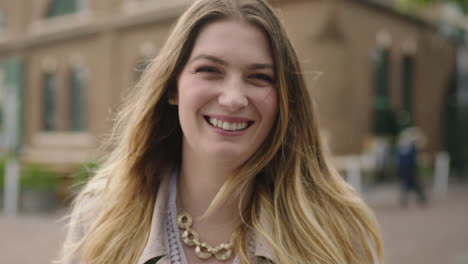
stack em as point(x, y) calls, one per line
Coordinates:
point(226, 93)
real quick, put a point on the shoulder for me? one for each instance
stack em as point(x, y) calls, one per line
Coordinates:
point(85, 210)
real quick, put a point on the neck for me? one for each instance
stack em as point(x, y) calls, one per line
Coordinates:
point(199, 182)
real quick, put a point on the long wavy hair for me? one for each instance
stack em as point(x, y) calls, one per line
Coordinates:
point(301, 206)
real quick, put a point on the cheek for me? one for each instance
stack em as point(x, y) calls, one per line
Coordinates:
point(269, 105)
point(192, 92)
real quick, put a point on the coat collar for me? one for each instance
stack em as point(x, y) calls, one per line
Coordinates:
point(156, 244)
point(155, 247)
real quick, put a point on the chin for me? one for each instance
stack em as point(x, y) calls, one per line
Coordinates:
point(228, 155)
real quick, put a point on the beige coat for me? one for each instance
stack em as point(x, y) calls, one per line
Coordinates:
point(155, 251)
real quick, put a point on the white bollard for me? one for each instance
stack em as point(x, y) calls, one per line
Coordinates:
point(11, 187)
point(353, 173)
point(441, 173)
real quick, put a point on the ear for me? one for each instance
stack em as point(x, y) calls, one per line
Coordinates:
point(172, 97)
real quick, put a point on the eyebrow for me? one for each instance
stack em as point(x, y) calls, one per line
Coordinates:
point(224, 63)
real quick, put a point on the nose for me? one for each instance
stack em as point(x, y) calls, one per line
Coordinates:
point(233, 96)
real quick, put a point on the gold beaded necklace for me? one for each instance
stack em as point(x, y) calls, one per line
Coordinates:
point(191, 238)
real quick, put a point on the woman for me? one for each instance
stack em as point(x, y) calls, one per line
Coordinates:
point(218, 159)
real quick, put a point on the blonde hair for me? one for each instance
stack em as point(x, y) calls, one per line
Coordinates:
point(302, 207)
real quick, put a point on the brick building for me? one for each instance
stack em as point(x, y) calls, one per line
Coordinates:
point(73, 60)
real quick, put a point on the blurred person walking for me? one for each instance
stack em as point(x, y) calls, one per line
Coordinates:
point(410, 140)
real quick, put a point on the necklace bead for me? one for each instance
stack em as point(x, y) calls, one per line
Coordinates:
point(191, 238)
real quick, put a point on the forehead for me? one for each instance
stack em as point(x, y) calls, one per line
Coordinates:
point(233, 40)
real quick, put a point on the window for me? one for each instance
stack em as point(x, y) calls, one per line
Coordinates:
point(77, 100)
point(49, 102)
point(65, 7)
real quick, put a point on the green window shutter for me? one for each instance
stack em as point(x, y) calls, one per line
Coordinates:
point(3, 20)
point(77, 101)
point(384, 119)
point(62, 7)
point(408, 83)
point(49, 100)
point(12, 101)
point(381, 78)
point(453, 141)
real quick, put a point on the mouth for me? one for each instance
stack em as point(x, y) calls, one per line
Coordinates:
point(229, 126)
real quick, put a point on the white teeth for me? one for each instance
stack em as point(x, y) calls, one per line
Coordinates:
point(226, 125)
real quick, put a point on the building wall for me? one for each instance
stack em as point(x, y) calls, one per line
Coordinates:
point(335, 47)
point(436, 63)
point(106, 40)
point(334, 41)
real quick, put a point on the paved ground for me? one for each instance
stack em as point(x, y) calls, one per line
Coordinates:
point(437, 234)
point(30, 239)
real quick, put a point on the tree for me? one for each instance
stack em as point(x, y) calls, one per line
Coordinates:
point(419, 4)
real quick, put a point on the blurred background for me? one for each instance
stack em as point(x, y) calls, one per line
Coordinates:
point(387, 76)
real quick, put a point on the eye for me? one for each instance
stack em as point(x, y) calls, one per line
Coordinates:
point(262, 78)
point(207, 69)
